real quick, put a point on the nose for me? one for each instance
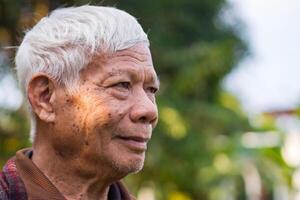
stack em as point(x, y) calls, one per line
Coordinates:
point(144, 110)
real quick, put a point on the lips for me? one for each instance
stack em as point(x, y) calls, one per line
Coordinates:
point(136, 143)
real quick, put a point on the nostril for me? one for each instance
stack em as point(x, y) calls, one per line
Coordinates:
point(143, 119)
point(147, 119)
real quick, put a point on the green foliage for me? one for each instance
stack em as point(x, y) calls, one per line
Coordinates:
point(13, 133)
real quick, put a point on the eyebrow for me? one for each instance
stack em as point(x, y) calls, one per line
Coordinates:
point(153, 77)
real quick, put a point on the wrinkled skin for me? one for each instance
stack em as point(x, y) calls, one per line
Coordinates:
point(101, 130)
point(116, 98)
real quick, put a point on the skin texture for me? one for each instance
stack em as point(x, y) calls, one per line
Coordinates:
point(99, 133)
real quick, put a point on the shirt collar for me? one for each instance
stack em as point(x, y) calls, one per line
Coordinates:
point(38, 186)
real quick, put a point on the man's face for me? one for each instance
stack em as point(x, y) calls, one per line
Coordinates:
point(109, 119)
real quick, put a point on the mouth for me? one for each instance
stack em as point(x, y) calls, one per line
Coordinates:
point(135, 143)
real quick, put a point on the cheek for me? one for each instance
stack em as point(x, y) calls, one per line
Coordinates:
point(67, 140)
point(95, 115)
point(89, 116)
point(107, 111)
point(97, 120)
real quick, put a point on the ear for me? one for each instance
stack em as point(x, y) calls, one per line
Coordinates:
point(41, 94)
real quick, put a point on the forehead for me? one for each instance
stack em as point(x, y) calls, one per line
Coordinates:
point(135, 61)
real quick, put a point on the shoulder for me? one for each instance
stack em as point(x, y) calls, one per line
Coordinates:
point(3, 187)
point(11, 185)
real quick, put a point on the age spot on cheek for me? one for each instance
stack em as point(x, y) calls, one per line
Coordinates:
point(120, 113)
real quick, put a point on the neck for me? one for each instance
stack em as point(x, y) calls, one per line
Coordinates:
point(71, 176)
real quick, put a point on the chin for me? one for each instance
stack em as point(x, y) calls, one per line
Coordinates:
point(136, 167)
point(132, 165)
point(137, 163)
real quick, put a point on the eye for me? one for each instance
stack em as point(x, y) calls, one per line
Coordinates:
point(152, 89)
point(123, 85)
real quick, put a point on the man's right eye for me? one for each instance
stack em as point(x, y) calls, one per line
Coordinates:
point(123, 85)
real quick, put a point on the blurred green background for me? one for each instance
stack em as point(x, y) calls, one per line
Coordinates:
point(205, 146)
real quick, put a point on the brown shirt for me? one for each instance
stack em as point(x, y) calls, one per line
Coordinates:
point(39, 187)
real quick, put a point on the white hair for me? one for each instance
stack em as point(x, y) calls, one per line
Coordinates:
point(64, 42)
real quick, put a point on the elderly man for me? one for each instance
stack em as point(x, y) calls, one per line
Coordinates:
point(88, 76)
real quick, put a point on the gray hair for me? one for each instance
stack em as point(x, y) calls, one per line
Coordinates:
point(64, 42)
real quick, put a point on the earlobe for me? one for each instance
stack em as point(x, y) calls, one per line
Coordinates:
point(40, 94)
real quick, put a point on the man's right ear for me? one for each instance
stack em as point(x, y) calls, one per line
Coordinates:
point(41, 94)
